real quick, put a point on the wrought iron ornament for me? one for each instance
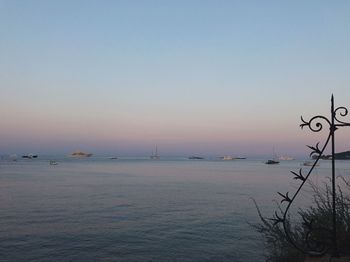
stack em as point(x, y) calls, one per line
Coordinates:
point(310, 245)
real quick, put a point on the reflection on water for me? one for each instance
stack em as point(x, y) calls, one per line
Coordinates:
point(138, 210)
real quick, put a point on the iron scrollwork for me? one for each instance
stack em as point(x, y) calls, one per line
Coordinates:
point(311, 245)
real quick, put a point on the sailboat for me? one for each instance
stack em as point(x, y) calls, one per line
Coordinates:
point(155, 155)
point(273, 161)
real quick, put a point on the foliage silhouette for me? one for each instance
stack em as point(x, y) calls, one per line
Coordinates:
point(318, 215)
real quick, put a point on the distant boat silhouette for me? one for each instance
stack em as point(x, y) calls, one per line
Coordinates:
point(30, 156)
point(310, 163)
point(286, 158)
point(231, 157)
point(195, 157)
point(273, 161)
point(155, 155)
point(228, 158)
point(53, 163)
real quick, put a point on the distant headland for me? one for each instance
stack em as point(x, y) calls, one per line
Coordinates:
point(339, 156)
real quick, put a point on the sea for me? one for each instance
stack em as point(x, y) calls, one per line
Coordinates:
point(138, 209)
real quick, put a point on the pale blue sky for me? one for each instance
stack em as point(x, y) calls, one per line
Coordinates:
point(214, 77)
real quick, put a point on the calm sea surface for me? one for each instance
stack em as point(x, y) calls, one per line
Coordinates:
point(98, 209)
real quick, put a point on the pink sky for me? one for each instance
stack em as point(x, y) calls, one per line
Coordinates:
point(227, 78)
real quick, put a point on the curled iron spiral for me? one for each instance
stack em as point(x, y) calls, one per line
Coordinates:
point(314, 124)
point(343, 112)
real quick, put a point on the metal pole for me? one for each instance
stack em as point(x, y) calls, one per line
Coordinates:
point(333, 128)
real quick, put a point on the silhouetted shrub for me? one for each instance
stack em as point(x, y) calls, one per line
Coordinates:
point(279, 249)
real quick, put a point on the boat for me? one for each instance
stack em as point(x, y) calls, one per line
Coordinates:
point(231, 157)
point(155, 155)
point(53, 163)
point(196, 157)
point(310, 163)
point(228, 158)
point(113, 157)
point(271, 162)
point(286, 158)
point(30, 156)
point(80, 154)
point(274, 160)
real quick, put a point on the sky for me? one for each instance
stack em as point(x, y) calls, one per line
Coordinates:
point(192, 77)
